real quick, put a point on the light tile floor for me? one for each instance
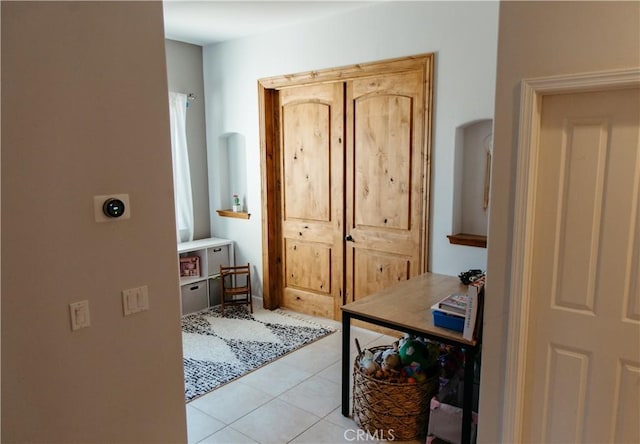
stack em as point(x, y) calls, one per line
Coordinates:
point(295, 399)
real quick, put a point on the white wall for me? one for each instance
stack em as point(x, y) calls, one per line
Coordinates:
point(462, 34)
point(84, 113)
point(536, 39)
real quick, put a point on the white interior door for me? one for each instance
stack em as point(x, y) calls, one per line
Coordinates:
point(582, 372)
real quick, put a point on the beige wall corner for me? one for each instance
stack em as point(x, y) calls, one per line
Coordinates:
point(84, 113)
point(536, 39)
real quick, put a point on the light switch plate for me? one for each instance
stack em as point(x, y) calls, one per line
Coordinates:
point(129, 301)
point(143, 298)
point(135, 300)
point(79, 313)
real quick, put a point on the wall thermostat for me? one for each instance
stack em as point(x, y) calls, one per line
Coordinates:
point(111, 207)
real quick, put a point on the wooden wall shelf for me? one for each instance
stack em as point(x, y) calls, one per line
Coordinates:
point(471, 240)
point(236, 214)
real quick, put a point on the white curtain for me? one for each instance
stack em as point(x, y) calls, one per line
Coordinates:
point(181, 173)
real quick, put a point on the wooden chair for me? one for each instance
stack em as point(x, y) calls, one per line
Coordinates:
point(236, 286)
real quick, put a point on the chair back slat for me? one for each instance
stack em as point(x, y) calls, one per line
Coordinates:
point(235, 289)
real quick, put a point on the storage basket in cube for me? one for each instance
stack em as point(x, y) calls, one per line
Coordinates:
point(389, 410)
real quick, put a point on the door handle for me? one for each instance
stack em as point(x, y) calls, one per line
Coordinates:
point(349, 238)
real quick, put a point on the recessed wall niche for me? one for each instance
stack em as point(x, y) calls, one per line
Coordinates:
point(472, 175)
point(233, 175)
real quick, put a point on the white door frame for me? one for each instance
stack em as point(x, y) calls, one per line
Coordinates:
point(532, 91)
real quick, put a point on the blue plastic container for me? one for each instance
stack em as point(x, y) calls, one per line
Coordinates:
point(445, 320)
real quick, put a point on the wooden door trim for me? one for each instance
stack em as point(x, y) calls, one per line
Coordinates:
point(349, 72)
point(270, 196)
point(532, 92)
point(270, 151)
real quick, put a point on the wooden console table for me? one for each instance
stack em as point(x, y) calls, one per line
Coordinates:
point(406, 307)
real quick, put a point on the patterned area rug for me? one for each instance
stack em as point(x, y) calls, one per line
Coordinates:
point(219, 349)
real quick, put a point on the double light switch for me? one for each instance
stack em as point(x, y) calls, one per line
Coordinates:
point(135, 300)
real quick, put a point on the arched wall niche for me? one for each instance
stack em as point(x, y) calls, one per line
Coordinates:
point(472, 176)
point(233, 175)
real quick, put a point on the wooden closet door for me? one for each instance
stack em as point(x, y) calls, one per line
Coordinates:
point(384, 181)
point(312, 184)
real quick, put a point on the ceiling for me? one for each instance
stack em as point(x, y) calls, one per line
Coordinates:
point(206, 22)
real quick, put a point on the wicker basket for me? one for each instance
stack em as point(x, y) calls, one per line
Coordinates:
point(390, 410)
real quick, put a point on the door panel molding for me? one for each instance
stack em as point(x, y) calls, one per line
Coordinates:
point(561, 398)
point(532, 92)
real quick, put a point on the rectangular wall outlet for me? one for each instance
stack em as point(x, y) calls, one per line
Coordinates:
point(135, 300)
point(79, 312)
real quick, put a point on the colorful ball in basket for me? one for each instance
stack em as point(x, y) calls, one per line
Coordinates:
point(412, 350)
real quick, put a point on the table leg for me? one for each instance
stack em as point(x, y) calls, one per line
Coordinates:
point(346, 344)
point(467, 396)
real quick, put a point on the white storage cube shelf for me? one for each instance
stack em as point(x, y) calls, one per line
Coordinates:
point(200, 292)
